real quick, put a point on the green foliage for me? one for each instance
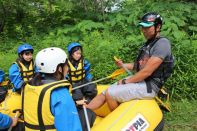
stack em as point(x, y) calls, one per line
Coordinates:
point(182, 117)
point(103, 34)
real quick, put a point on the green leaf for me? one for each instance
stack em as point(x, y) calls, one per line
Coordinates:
point(193, 28)
point(178, 35)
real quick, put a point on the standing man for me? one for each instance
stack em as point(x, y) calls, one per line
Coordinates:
point(153, 66)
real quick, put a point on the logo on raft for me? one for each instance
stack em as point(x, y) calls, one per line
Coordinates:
point(139, 123)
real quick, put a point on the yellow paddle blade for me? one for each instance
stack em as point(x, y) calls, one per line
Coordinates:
point(115, 58)
point(116, 73)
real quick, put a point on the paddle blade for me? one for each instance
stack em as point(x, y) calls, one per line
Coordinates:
point(117, 72)
point(115, 58)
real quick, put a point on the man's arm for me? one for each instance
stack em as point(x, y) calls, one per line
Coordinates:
point(87, 67)
point(152, 64)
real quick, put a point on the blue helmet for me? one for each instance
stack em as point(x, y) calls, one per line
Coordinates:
point(2, 75)
point(24, 47)
point(73, 45)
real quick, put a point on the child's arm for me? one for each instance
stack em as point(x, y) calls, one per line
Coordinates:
point(87, 68)
point(15, 77)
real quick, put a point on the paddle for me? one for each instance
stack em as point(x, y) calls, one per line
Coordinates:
point(86, 117)
point(114, 74)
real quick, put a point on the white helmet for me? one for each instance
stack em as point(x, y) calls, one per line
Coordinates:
point(48, 59)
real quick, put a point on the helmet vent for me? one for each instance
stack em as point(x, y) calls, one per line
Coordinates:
point(42, 64)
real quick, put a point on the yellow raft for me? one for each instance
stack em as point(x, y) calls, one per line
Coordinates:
point(135, 115)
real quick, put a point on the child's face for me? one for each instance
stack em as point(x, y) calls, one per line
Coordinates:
point(77, 55)
point(27, 56)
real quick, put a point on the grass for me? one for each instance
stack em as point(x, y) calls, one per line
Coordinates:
point(183, 116)
point(7, 61)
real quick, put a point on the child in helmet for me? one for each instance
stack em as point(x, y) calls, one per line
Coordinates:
point(23, 69)
point(51, 107)
point(79, 74)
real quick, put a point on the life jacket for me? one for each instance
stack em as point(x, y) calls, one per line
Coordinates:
point(26, 73)
point(36, 106)
point(76, 74)
point(11, 104)
point(160, 75)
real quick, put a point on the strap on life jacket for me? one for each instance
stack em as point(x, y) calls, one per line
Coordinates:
point(29, 72)
point(76, 73)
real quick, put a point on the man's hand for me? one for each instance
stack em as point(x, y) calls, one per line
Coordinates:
point(118, 62)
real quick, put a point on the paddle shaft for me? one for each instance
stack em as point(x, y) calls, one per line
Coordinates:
point(92, 82)
point(125, 68)
point(86, 117)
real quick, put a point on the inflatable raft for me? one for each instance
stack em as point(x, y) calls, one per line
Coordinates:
point(135, 115)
